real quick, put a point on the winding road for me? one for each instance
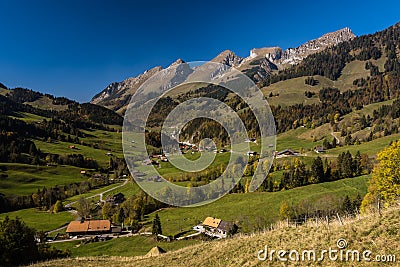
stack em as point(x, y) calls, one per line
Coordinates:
point(337, 139)
point(75, 213)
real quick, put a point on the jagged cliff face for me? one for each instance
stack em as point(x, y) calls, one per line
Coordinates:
point(263, 60)
point(120, 89)
point(296, 55)
point(260, 64)
point(229, 58)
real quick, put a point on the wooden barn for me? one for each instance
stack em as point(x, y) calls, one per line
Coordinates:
point(91, 227)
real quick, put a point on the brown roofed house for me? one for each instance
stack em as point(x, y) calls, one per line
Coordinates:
point(88, 227)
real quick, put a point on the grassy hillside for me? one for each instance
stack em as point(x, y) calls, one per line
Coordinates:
point(24, 179)
point(374, 233)
point(256, 210)
point(62, 148)
point(124, 246)
point(370, 148)
point(250, 211)
point(27, 117)
point(290, 92)
point(40, 220)
point(46, 103)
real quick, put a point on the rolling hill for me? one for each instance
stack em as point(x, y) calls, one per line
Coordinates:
point(379, 234)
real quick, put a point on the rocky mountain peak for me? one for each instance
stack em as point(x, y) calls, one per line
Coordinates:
point(296, 55)
point(114, 95)
point(260, 64)
point(177, 62)
point(229, 58)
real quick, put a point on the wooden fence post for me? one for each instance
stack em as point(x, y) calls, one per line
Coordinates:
point(340, 220)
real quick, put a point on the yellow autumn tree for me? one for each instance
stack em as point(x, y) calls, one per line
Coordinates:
point(284, 211)
point(384, 185)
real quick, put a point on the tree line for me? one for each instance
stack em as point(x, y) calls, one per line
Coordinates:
point(45, 198)
point(297, 173)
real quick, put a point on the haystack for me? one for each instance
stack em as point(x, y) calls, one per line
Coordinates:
point(155, 251)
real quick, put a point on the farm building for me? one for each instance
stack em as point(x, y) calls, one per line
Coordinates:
point(93, 227)
point(286, 153)
point(252, 153)
point(116, 199)
point(216, 227)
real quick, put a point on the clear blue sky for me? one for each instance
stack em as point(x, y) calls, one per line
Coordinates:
point(76, 48)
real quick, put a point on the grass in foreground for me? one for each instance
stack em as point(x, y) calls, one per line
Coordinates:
point(378, 234)
point(123, 246)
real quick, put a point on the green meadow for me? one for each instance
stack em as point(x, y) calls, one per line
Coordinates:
point(249, 210)
point(24, 179)
point(40, 220)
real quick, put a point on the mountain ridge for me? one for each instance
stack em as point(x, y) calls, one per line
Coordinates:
point(258, 65)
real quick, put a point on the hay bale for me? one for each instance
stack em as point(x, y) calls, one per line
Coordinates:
point(155, 251)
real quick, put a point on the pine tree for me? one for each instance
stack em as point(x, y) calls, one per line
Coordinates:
point(121, 215)
point(328, 171)
point(357, 164)
point(317, 170)
point(270, 184)
point(156, 226)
